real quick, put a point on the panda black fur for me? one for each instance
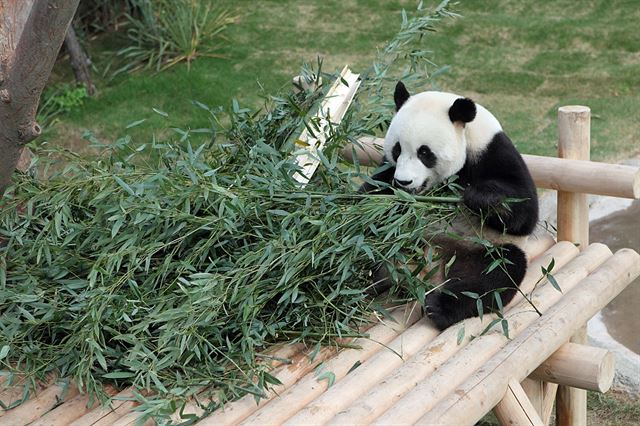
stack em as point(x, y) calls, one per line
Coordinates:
point(435, 135)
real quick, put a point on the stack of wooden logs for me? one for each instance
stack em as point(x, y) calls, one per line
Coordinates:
point(407, 372)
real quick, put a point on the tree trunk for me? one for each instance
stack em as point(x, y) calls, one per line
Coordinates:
point(31, 33)
point(79, 61)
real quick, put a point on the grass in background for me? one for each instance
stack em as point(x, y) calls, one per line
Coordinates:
point(520, 59)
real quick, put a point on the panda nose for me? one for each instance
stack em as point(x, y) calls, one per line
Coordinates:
point(403, 182)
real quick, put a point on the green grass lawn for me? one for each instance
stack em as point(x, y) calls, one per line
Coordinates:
point(520, 59)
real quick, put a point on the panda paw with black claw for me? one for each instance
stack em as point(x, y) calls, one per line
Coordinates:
point(437, 312)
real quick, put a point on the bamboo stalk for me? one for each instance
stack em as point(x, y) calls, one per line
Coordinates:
point(403, 379)
point(515, 408)
point(237, 411)
point(560, 174)
point(579, 366)
point(457, 368)
point(525, 352)
point(574, 127)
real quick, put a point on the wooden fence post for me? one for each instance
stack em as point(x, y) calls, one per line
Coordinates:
point(574, 139)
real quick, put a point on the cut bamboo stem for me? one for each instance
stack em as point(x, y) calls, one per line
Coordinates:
point(560, 174)
point(515, 408)
point(379, 398)
point(456, 369)
point(574, 139)
point(240, 410)
point(524, 353)
point(579, 366)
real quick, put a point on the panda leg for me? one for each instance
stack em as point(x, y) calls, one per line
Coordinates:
point(467, 274)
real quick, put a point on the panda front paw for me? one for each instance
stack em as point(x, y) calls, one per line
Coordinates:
point(481, 199)
point(437, 311)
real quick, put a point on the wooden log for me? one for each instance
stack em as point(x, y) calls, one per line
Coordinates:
point(560, 174)
point(579, 366)
point(131, 419)
point(535, 392)
point(366, 376)
point(574, 127)
point(41, 403)
point(548, 402)
point(525, 352)
point(456, 369)
point(542, 396)
point(120, 405)
point(584, 176)
point(536, 245)
point(515, 408)
point(11, 392)
point(383, 333)
point(67, 412)
point(379, 398)
point(573, 144)
point(276, 356)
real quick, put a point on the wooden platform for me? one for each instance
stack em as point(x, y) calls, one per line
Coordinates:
point(406, 372)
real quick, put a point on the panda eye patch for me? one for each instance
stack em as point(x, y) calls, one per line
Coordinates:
point(427, 157)
point(395, 152)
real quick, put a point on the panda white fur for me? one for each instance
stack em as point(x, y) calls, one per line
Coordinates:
point(435, 135)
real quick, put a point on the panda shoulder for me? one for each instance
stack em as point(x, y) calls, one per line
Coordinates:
point(481, 131)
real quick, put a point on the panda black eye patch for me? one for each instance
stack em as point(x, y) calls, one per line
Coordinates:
point(395, 152)
point(427, 157)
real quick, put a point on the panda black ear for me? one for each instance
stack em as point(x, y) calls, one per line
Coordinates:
point(400, 95)
point(463, 109)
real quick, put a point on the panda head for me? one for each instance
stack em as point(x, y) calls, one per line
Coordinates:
point(426, 140)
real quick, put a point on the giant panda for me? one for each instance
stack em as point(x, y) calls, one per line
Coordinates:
point(433, 136)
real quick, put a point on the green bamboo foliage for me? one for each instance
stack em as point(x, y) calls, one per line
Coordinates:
point(173, 265)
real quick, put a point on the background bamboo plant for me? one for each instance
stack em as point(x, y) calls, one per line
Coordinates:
point(163, 33)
